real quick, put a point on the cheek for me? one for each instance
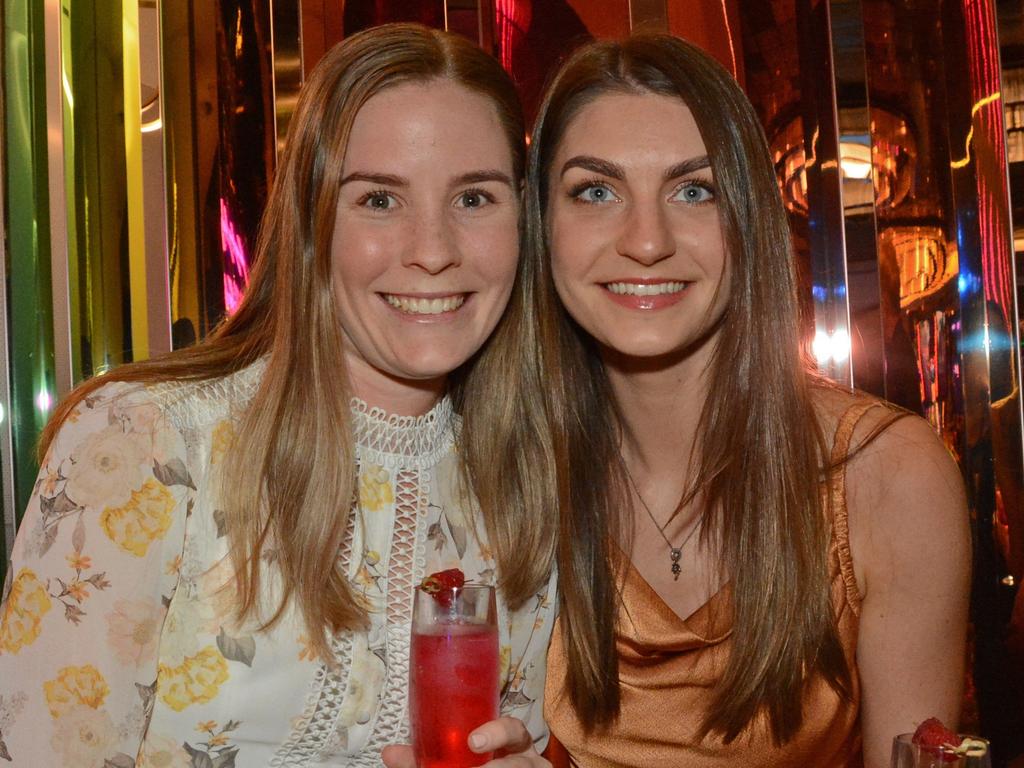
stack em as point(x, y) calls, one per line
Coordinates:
point(574, 244)
point(495, 251)
point(359, 256)
point(566, 260)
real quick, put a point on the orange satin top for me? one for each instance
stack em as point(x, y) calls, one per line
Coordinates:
point(668, 667)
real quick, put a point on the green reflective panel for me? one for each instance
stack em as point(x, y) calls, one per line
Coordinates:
point(28, 245)
point(96, 187)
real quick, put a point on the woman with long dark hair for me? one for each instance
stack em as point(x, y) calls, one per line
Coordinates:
point(756, 567)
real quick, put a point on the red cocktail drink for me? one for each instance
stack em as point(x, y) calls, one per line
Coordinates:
point(453, 678)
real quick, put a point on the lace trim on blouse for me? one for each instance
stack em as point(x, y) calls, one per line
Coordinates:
point(410, 447)
point(407, 441)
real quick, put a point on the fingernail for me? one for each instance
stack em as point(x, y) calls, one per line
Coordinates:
point(477, 741)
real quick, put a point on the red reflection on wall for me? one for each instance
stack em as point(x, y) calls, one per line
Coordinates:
point(531, 43)
point(363, 14)
point(987, 145)
point(604, 19)
point(714, 25)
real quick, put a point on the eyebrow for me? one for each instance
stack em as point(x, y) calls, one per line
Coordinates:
point(383, 179)
point(615, 171)
point(687, 167)
point(595, 164)
point(388, 180)
point(478, 177)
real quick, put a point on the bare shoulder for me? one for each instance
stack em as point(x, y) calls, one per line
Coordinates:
point(905, 500)
point(887, 444)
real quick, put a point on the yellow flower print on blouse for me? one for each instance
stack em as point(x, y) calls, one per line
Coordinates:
point(221, 439)
point(196, 681)
point(21, 621)
point(75, 686)
point(375, 488)
point(505, 661)
point(144, 519)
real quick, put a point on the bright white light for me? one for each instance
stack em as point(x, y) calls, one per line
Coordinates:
point(822, 347)
point(44, 401)
point(2, 413)
point(855, 169)
point(840, 345)
point(831, 347)
point(855, 160)
point(152, 126)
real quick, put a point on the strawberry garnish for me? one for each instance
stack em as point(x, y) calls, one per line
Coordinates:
point(440, 585)
point(932, 736)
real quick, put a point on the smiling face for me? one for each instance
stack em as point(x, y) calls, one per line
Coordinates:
point(637, 252)
point(425, 238)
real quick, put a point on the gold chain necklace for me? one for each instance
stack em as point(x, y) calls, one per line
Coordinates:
point(674, 553)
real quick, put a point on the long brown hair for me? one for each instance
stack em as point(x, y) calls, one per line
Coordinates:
point(760, 447)
point(291, 469)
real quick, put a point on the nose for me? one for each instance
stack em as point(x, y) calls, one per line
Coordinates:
point(646, 236)
point(434, 247)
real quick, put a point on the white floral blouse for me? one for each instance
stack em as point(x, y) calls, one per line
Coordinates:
point(117, 646)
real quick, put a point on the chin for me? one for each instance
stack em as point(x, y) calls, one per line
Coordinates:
point(424, 367)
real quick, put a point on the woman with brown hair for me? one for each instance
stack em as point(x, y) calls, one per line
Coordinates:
point(217, 565)
point(756, 568)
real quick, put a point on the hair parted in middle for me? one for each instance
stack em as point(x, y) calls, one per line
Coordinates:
point(760, 450)
point(289, 479)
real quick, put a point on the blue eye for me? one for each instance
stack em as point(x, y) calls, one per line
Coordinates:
point(593, 193)
point(694, 192)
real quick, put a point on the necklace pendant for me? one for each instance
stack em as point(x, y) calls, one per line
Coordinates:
point(676, 568)
point(675, 553)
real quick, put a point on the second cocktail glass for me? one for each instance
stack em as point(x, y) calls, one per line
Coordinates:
point(453, 673)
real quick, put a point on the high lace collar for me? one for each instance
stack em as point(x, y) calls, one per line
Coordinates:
point(409, 440)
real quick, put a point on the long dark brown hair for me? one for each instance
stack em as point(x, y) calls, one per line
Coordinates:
point(287, 491)
point(760, 447)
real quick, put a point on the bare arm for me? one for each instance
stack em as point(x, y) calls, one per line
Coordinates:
point(910, 541)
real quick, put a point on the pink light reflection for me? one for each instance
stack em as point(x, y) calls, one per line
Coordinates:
point(236, 260)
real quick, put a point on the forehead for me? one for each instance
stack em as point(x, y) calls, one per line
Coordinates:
point(629, 127)
point(438, 120)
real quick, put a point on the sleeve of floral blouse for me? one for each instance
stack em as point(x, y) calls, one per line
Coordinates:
point(531, 633)
point(93, 569)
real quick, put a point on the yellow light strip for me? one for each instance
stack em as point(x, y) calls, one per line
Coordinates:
point(970, 134)
point(133, 173)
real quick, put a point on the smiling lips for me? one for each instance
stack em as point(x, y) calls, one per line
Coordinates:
point(645, 294)
point(417, 305)
point(644, 289)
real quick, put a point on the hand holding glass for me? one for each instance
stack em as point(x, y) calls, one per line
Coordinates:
point(453, 674)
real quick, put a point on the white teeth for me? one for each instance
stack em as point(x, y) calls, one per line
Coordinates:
point(415, 306)
point(643, 289)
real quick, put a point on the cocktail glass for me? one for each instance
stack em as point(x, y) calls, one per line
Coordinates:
point(453, 674)
point(906, 754)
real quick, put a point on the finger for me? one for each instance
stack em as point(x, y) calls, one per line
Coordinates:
point(519, 761)
point(506, 733)
point(398, 756)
